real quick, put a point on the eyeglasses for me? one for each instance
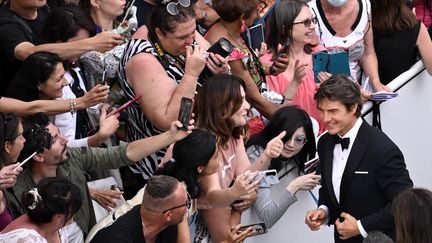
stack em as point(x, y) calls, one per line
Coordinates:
point(172, 7)
point(299, 140)
point(308, 22)
point(187, 204)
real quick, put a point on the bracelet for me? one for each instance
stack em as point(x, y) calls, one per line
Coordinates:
point(72, 105)
point(229, 70)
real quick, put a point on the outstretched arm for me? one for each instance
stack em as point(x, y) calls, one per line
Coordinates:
point(53, 107)
point(139, 149)
point(102, 42)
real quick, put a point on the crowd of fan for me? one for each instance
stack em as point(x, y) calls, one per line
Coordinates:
point(65, 65)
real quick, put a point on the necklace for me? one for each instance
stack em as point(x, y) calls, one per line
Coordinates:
point(241, 46)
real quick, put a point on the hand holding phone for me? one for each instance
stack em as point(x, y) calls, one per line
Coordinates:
point(259, 228)
point(185, 112)
point(312, 165)
point(269, 178)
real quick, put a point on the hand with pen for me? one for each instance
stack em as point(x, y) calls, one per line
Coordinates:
point(8, 175)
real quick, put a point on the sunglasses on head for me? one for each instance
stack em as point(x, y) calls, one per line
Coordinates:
point(172, 7)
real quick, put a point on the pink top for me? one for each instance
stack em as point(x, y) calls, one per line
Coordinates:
point(423, 12)
point(5, 216)
point(227, 163)
point(304, 96)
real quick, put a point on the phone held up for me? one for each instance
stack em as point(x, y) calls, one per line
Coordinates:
point(259, 228)
point(185, 112)
point(269, 178)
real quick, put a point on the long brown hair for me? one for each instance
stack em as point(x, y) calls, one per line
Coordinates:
point(390, 16)
point(412, 211)
point(217, 100)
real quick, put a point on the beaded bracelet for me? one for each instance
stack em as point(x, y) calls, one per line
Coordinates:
point(72, 105)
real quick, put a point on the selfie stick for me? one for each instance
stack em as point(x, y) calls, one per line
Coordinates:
point(25, 161)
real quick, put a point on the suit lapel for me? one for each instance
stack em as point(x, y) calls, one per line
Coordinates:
point(358, 149)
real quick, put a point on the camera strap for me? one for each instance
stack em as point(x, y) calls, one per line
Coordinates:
point(159, 50)
point(162, 56)
point(258, 64)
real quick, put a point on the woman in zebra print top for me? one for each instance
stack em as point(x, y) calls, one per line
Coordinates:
point(162, 65)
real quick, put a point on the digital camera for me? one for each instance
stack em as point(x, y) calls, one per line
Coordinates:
point(222, 47)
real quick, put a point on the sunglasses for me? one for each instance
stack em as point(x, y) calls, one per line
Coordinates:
point(172, 7)
point(299, 141)
point(187, 204)
point(308, 22)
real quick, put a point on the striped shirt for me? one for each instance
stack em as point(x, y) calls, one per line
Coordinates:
point(139, 126)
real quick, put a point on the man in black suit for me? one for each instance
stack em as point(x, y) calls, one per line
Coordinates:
point(362, 170)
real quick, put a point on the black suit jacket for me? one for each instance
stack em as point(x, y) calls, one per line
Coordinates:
point(366, 196)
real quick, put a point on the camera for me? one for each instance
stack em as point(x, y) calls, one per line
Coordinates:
point(222, 47)
point(271, 95)
point(41, 137)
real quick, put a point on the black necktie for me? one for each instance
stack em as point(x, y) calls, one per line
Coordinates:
point(343, 141)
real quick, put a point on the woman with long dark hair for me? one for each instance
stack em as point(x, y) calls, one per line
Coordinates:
point(299, 147)
point(292, 25)
point(12, 142)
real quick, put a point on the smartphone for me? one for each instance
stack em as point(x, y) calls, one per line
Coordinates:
point(185, 112)
point(259, 228)
point(124, 106)
point(334, 63)
point(270, 178)
point(312, 165)
point(320, 62)
point(284, 48)
point(256, 33)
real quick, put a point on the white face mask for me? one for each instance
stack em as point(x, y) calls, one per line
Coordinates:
point(337, 3)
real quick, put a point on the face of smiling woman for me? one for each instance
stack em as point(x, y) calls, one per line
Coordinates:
point(53, 87)
point(239, 118)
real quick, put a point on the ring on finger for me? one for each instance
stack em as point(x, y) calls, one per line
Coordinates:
point(205, 55)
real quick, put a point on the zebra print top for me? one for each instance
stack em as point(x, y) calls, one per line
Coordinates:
point(138, 125)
